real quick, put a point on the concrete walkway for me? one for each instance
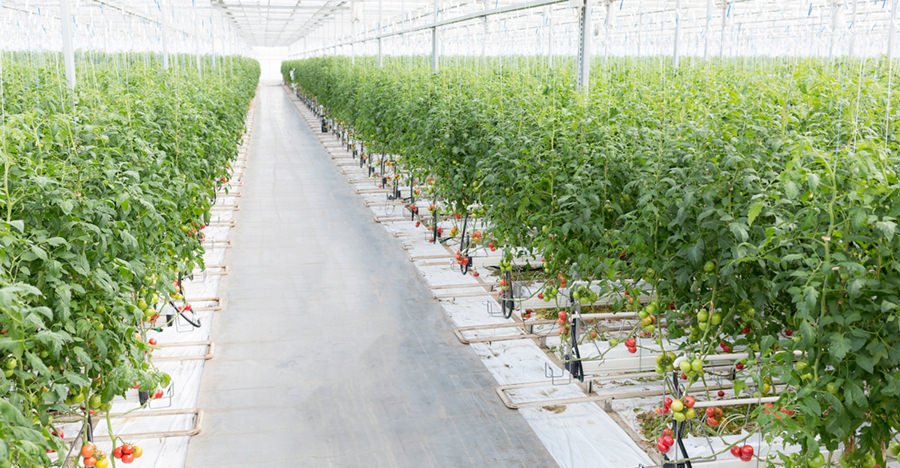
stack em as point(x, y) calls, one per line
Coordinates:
point(331, 351)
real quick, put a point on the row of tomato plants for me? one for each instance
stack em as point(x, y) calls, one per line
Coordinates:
point(763, 191)
point(103, 188)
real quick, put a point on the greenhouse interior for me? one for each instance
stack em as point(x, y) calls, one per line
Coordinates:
point(465, 233)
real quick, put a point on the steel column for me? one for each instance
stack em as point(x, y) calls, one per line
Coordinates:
point(68, 49)
point(709, 5)
point(582, 74)
point(892, 31)
point(677, 33)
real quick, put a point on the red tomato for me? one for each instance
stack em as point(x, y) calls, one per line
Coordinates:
point(127, 449)
point(118, 452)
point(153, 341)
point(127, 458)
point(689, 401)
point(735, 450)
point(90, 461)
point(747, 450)
point(87, 450)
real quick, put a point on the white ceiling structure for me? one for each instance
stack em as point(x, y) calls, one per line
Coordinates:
point(315, 27)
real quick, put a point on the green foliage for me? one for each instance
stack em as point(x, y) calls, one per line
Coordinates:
point(781, 176)
point(97, 189)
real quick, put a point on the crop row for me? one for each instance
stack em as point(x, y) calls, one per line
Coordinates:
point(103, 190)
point(763, 193)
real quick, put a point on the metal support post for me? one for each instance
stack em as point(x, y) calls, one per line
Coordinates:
point(835, 20)
point(725, 8)
point(607, 32)
point(434, 41)
point(549, 36)
point(485, 38)
point(582, 74)
point(851, 49)
point(892, 31)
point(380, 58)
point(68, 50)
point(709, 5)
point(677, 33)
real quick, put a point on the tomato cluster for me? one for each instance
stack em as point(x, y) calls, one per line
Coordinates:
point(745, 453)
point(93, 457)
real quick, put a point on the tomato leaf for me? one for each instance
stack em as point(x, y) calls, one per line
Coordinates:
point(755, 210)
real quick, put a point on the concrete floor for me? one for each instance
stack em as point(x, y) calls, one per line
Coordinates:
point(331, 351)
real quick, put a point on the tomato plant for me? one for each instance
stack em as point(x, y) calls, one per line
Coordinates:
point(97, 186)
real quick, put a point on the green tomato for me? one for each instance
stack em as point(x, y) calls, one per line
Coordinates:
point(678, 416)
point(677, 406)
point(12, 363)
point(894, 449)
point(715, 318)
point(703, 325)
point(684, 365)
point(832, 388)
point(95, 402)
point(748, 314)
point(703, 315)
point(142, 304)
point(651, 308)
point(697, 365)
point(709, 266)
point(869, 461)
point(8, 373)
point(817, 462)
